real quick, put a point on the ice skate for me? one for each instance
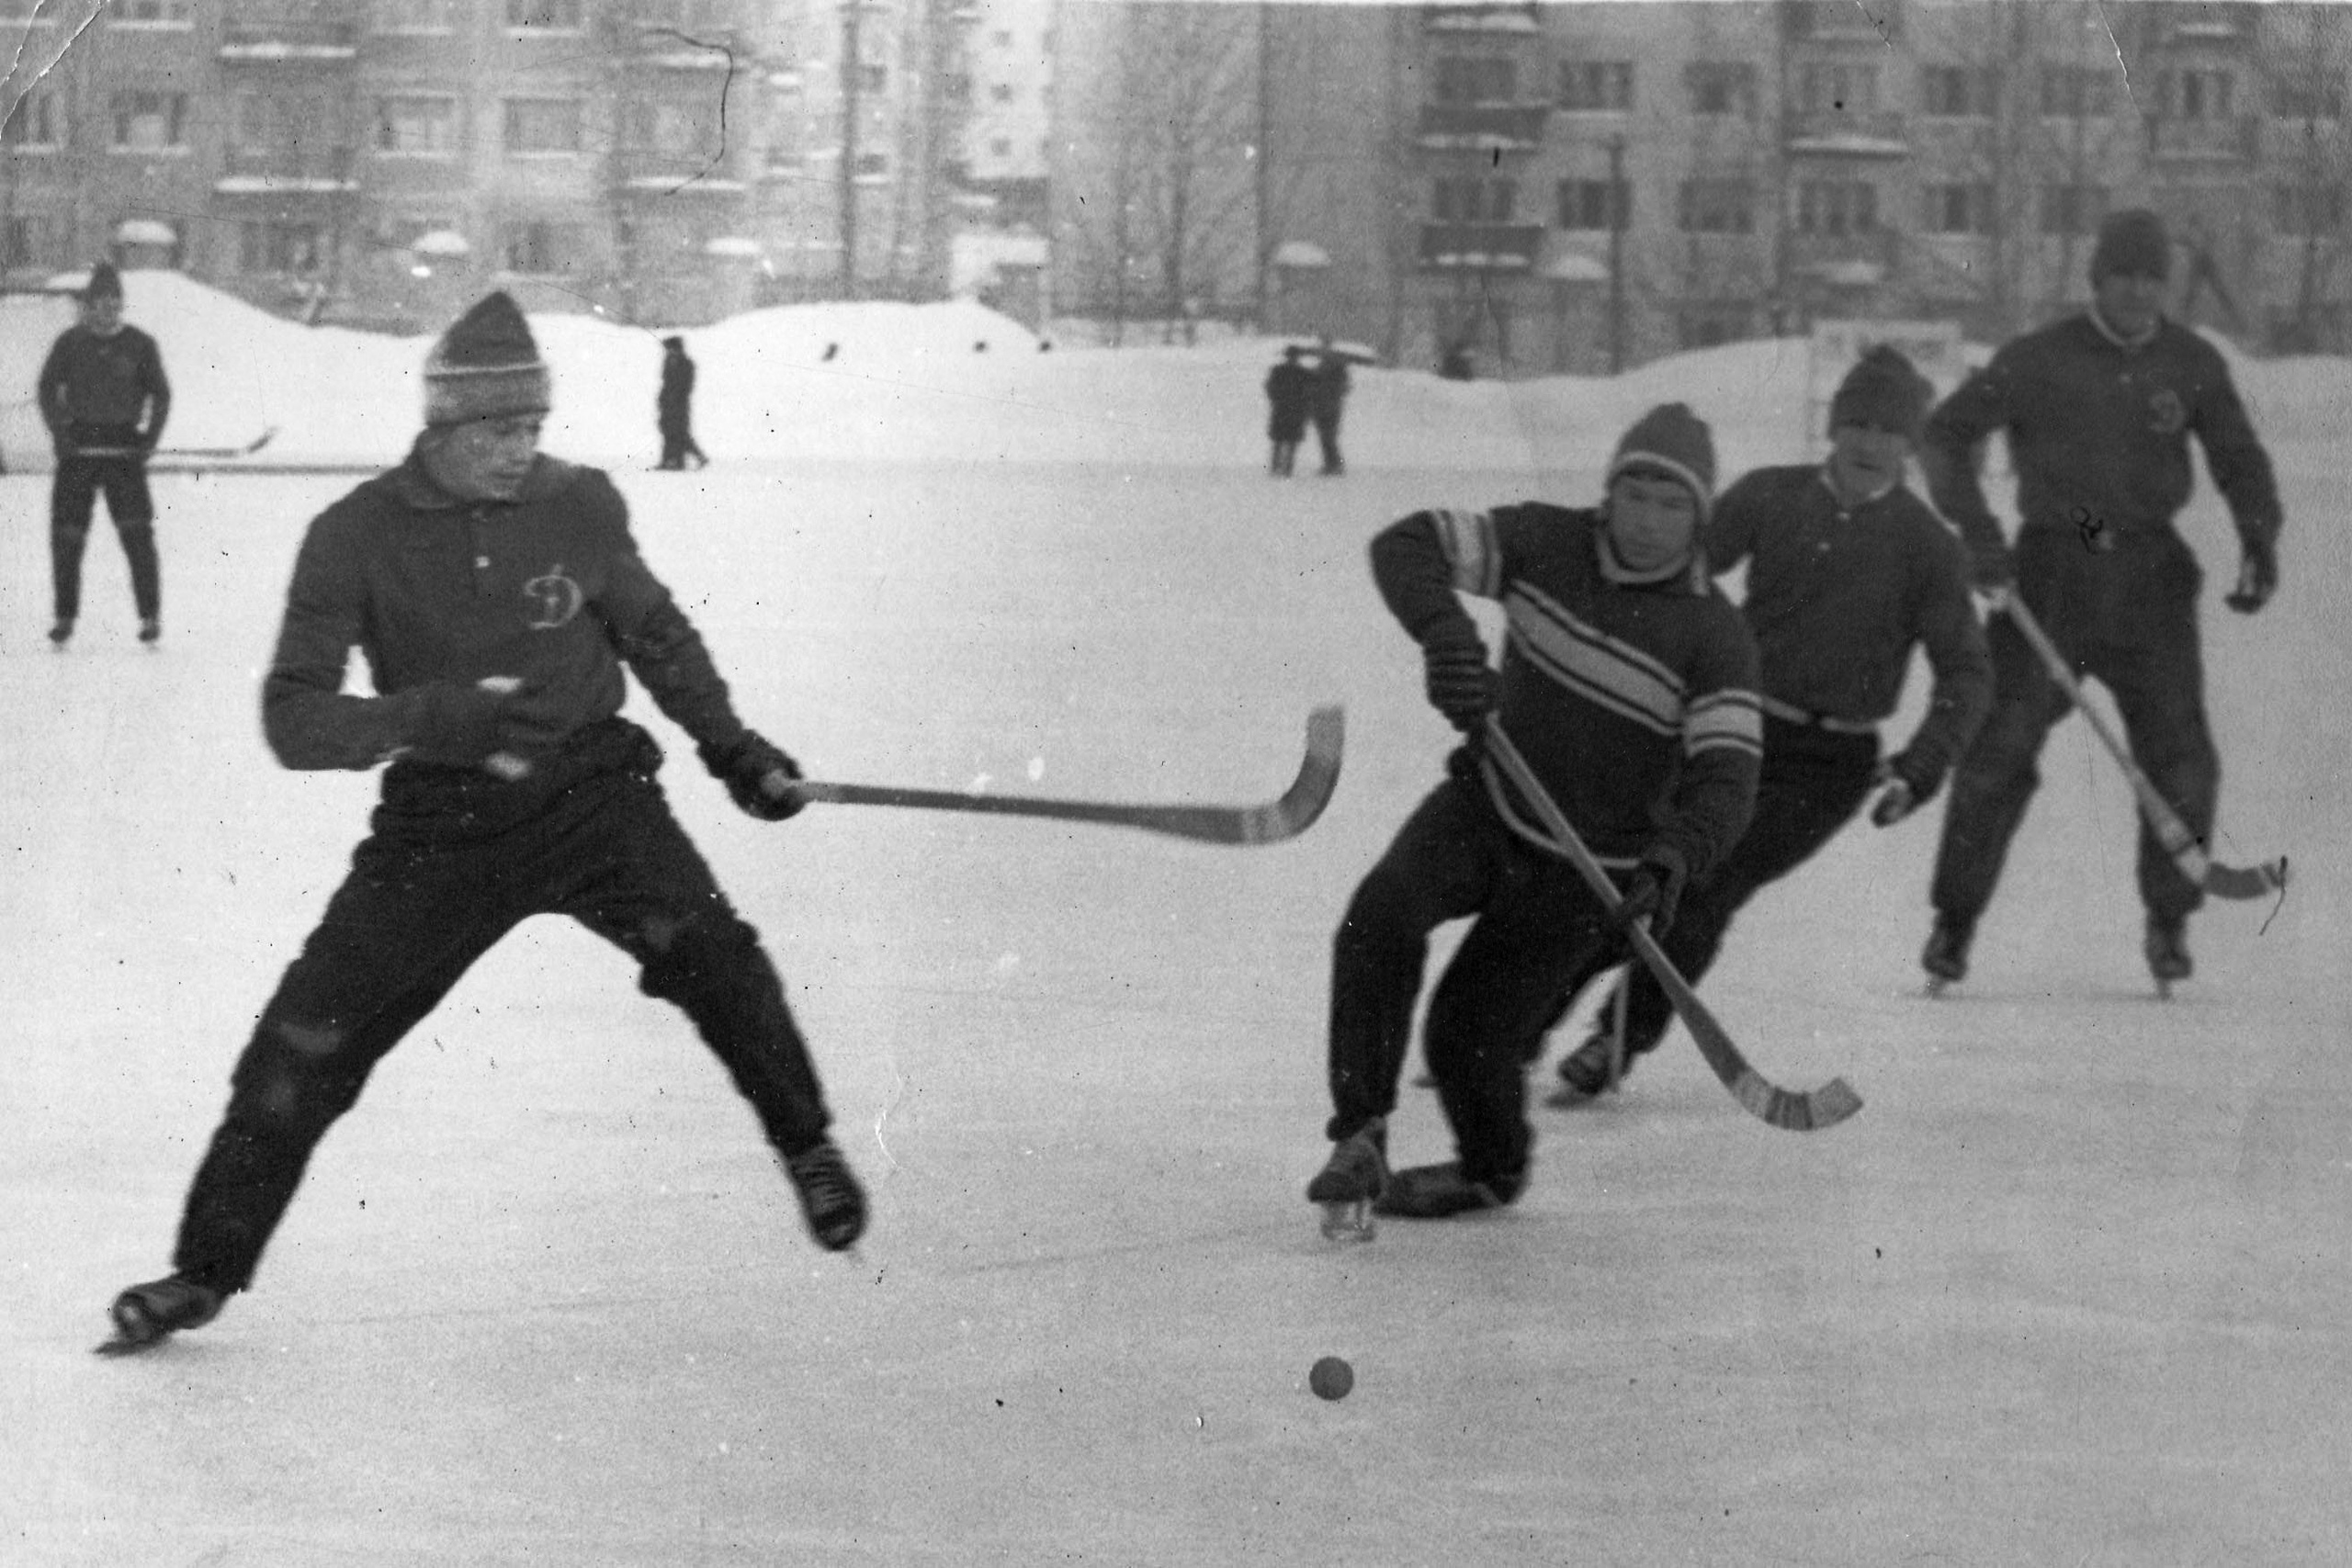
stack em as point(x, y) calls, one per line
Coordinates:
point(1440, 1191)
point(150, 631)
point(2167, 945)
point(831, 1198)
point(1348, 1186)
point(61, 633)
point(1946, 956)
point(1584, 1072)
point(145, 1316)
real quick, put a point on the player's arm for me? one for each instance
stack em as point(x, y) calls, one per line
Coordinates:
point(1945, 625)
point(1421, 565)
point(1714, 797)
point(1729, 536)
point(308, 720)
point(2242, 472)
point(1952, 447)
point(51, 389)
point(159, 396)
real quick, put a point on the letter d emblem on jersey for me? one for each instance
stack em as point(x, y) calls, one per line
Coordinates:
point(555, 598)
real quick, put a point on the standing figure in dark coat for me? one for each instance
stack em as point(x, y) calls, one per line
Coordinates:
point(675, 407)
point(1330, 380)
point(1289, 389)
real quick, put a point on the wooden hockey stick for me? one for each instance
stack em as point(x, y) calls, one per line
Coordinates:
point(1796, 1111)
point(2226, 881)
point(181, 454)
point(1286, 817)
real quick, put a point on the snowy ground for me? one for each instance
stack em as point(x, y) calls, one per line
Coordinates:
point(2068, 1291)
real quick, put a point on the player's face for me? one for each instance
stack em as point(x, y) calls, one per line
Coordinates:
point(103, 315)
point(1651, 519)
point(1864, 460)
point(2130, 301)
point(486, 459)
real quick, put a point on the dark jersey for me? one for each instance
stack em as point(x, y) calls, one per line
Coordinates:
point(1634, 703)
point(113, 382)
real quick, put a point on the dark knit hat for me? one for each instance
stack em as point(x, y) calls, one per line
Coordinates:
point(486, 367)
point(104, 283)
point(2132, 240)
point(1673, 439)
point(1884, 392)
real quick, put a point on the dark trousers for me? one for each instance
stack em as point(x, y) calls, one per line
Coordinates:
point(1326, 436)
point(73, 503)
point(678, 442)
point(409, 919)
point(2158, 679)
point(1811, 783)
point(1536, 925)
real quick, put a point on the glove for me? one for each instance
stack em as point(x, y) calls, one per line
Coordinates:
point(1992, 576)
point(1461, 683)
point(1908, 787)
point(463, 726)
point(2258, 577)
point(1654, 891)
point(758, 777)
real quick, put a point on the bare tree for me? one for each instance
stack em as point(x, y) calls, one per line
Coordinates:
point(2306, 71)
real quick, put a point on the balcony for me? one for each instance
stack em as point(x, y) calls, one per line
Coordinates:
point(1480, 247)
point(665, 49)
point(1477, 18)
point(1841, 21)
point(1856, 261)
point(1846, 133)
point(1481, 128)
point(265, 41)
point(260, 171)
point(2233, 141)
point(678, 174)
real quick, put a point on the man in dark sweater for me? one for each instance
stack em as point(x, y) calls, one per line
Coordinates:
point(1848, 572)
point(104, 398)
point(2098, 410)
point(1628, 683)
point(497, 597)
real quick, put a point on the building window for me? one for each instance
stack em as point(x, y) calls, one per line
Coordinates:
point(1474, 200)
point(1959, 210)
point(1837, 207)
point(678, 129)
point(279, 247)
point(2196, 94)
point(873, 78)
point(146, 122)
point(534, 245)
point(1723, 90)
point(1957, 91)
point(22, 241)
point(1845, 89)
point(543, 16)
point(1707, 326)
point(290, 122)
point(2072, 208)
point(2307, 98)
point(956, 88)
point(170, 12)
point(411, 16)
point(1596, 84)
point(873, 166)
point(1476, 79)
point(35, 123)
point(2307, 211)
point(2074, 92)
point(1717, 207)
point(1586, 205)
point(542, 125)
point(416, 126)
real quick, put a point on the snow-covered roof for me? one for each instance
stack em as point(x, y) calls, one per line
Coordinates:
point(1301, 252)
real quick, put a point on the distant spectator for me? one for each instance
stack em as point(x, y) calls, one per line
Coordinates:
point(1290, 389)
point(1330, 384)
point(675, 407)
point(1457, 365)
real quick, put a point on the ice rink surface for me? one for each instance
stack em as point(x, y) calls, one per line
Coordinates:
point(2069, 1289)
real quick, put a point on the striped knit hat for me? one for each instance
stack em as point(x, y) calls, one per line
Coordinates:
point(486, 367)
point(1677, 442)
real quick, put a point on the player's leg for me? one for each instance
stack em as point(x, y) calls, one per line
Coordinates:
point(133, 508)
point(72, 497)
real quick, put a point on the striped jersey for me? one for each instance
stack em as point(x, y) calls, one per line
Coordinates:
point(1634, 703)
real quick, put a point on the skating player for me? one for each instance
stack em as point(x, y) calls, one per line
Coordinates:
point(2098, 410)
point(1848, 572)
point(105, 399)
point(1629, 683)
point(497, 597)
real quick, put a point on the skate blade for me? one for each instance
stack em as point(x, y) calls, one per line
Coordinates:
point(1936, 984)
point(122, 1345)
point(1349, 1220)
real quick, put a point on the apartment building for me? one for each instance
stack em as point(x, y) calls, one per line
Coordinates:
point(375, 162)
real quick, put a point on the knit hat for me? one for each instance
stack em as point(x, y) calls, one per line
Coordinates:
point(104, 283)
point(486, 367)
point(1883, 392)
point(1670, 437)
point(2134, 242)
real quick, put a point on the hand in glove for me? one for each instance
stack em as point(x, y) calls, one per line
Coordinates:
point(1654, 891)
point(1908, 787)
point(459, 726)
point(758, 777)
point(2258, 577)
point(1460, 681)
point(1992, 577)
